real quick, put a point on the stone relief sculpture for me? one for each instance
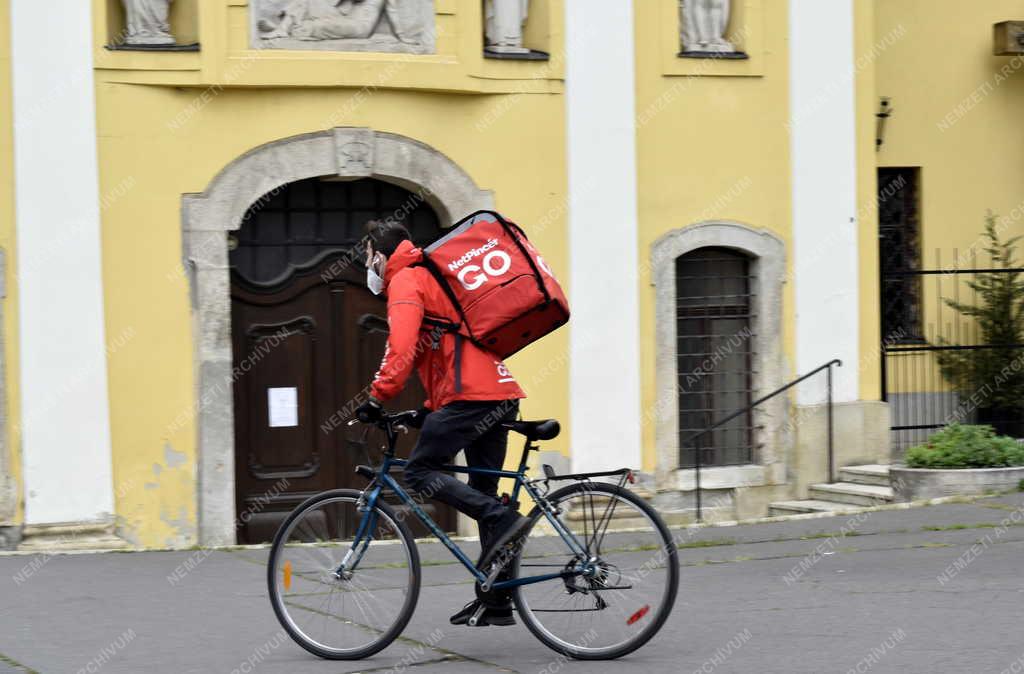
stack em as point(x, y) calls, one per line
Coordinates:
point(504, 30)
point(146, 22)
point(704, 24)
point(344, 25)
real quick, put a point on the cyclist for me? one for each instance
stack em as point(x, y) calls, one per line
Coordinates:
point(470, 393)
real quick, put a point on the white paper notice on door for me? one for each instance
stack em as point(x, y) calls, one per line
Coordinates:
point(283, 406)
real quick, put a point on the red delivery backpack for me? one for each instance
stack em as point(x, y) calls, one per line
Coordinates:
point(503, 291)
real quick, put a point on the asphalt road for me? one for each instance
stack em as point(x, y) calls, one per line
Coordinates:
point(935, 589)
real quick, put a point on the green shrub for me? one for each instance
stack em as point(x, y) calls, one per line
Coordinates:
point(998, 312)
point(962, 446)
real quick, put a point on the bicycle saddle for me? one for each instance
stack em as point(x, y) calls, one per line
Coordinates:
point(535, 430)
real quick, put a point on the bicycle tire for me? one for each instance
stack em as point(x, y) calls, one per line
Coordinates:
point(668, 601)
point(410, 602)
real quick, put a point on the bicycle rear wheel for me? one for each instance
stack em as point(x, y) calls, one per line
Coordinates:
point(631, 591)
point(357, 612)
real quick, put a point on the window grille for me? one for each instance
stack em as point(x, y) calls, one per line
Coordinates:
point(715, 294)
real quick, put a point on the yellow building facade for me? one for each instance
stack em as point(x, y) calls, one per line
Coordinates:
point(671, 194)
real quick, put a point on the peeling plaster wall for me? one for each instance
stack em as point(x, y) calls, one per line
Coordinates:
point(174, 524)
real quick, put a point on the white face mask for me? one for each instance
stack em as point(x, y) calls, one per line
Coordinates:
point(373, 280)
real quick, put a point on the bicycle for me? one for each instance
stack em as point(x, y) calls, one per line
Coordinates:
point(344, 571)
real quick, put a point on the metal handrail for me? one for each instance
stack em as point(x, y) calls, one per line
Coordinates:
point(831, 457)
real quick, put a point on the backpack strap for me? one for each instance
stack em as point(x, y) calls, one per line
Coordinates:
point(429, 265)
point(458, 362)
point(440, 325)
point(437, 327)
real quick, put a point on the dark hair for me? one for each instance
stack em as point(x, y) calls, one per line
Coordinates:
point(385, 236)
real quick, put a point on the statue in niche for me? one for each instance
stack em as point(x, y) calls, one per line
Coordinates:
point(346, 25)
point(146, 22)
point(505, 21)
point(704, 24)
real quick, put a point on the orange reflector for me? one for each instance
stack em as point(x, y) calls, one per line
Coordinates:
point(639, 614)
point(287, 575)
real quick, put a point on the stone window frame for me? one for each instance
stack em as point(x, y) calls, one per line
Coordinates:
point(208, 217)
point(768, 264)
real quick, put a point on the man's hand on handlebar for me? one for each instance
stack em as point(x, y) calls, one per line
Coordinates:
point(370, 411)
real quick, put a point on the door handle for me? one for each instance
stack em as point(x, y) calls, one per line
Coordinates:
point(373, 323)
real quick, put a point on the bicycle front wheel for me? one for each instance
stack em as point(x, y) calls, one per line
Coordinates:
point(332, 605)
point(631, 587)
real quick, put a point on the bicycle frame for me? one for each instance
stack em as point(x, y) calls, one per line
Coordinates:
point(383, 479)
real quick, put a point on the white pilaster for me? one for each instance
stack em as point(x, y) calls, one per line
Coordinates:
point(65, 416)
point(823, 128)
point(604, 331)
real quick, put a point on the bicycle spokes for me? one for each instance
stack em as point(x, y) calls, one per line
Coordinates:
point(619, 595)
point(336, 593)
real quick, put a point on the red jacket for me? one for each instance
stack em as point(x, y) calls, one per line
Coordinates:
point(412, 294)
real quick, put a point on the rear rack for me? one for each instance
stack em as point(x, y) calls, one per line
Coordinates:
point(626, 474)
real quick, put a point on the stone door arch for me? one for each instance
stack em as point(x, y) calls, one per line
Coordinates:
point(767, 253)
point(209, 216)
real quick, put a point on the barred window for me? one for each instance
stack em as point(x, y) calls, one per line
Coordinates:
point(899, 236)
point(715, 293)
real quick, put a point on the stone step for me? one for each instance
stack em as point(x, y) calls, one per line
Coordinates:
point(628, 518)
point(851, 493)
point(599, 512)
point(687, 516)
point(672, 518)
point(70, 537)
point(805, 506)
point(875, 474)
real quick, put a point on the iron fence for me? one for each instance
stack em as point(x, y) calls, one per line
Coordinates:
point(940, 365)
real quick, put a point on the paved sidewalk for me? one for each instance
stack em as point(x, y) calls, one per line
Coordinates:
point(933, 589)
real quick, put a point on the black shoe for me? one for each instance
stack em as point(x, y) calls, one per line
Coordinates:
point(498, 616)
point(507, 535)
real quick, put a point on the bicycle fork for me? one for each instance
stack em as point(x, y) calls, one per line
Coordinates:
point(364, 534)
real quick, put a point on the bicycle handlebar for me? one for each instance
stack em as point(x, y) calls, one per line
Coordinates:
point(393, 420)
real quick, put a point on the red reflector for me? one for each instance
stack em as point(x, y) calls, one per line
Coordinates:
point(630, 477)
point(639, 614)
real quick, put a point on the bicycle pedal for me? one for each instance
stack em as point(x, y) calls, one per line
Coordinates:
point(474, 619)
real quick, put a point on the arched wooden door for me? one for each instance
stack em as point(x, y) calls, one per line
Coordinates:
point(307, 337)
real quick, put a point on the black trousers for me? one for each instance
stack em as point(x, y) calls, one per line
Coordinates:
point(476, 428)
